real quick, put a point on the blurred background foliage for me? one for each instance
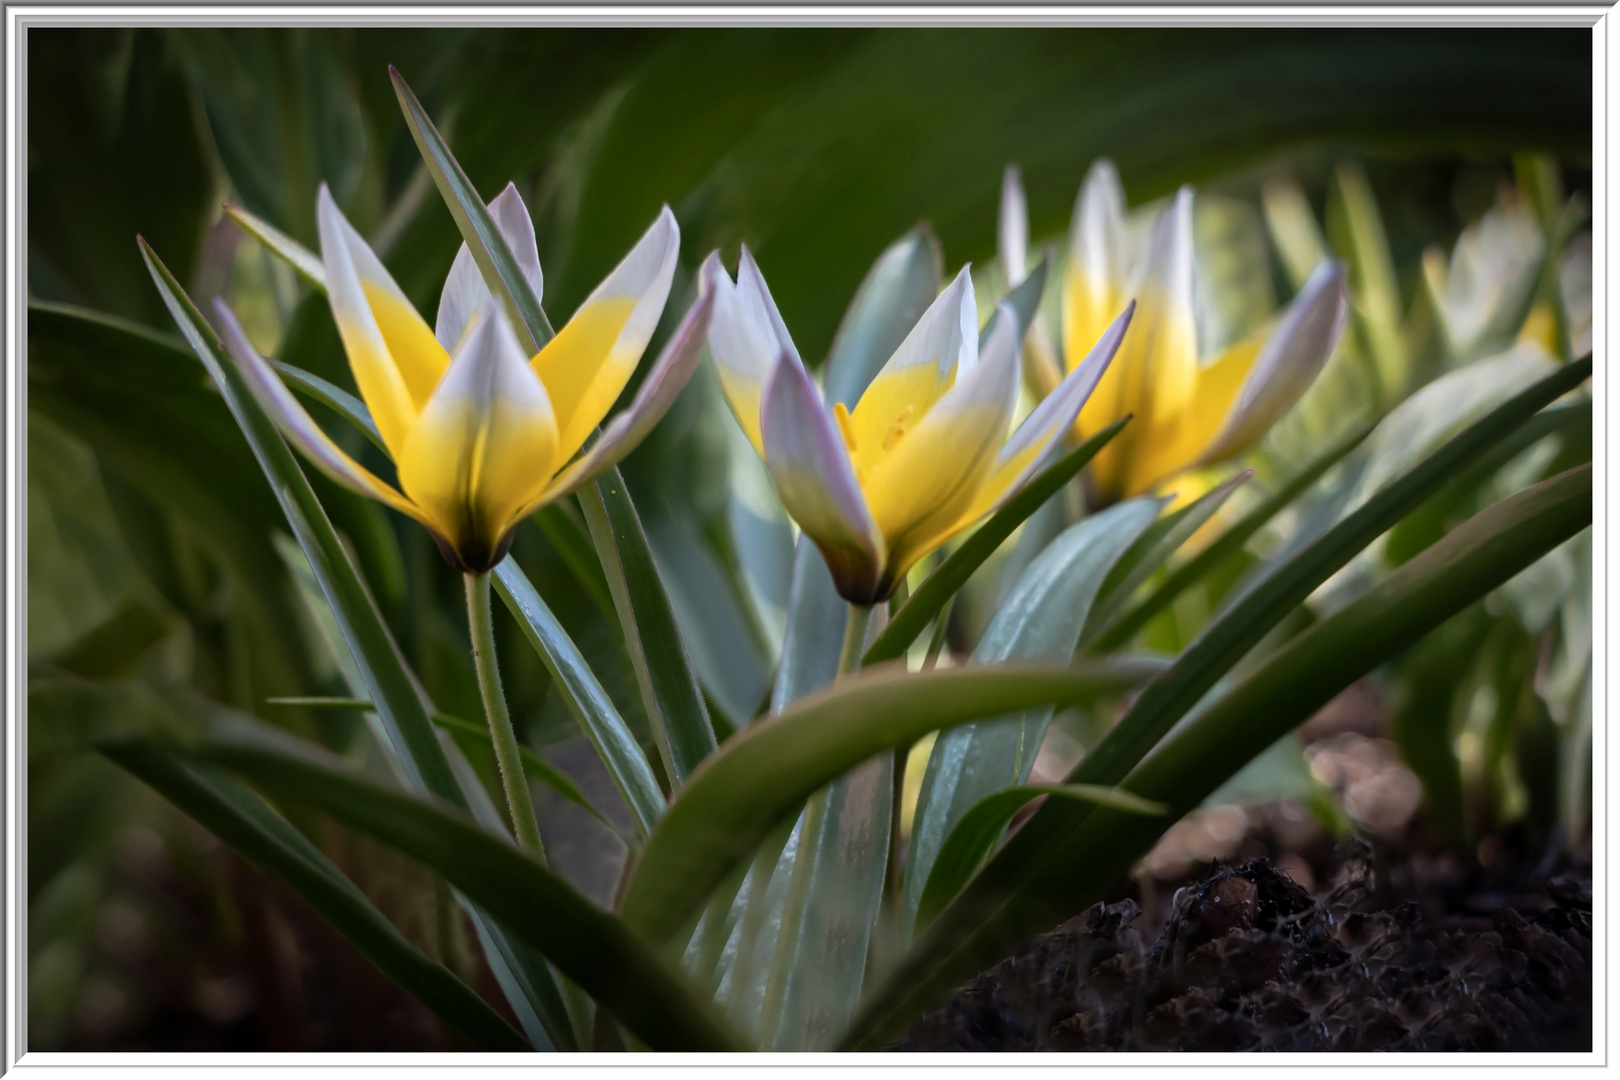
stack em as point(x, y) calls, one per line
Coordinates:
point(1439, 163)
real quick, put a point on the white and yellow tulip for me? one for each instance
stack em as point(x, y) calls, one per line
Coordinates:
point(924, 453)
point(1188, 411)
point(482, 433)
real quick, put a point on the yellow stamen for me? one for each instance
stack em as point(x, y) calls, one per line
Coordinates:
point(841, 414)
point(897, 430)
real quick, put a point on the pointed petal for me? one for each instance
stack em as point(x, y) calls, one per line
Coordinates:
point(920, 491)
point(1156, 372)
point(1094, 284)
point(746, 336)
point(1012, 232)
point(584, 368)
point(813, 477)
point(485, 446)
point(465, 293)
point(394, 356)
point(1042, 431)
point(658, 391)
point(1288, 363)
point(296, 424)
point(940, 350)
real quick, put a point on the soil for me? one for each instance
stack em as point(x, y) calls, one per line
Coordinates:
point(1247, 959)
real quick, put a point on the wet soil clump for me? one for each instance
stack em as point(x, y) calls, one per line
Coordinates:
point(1248, 960)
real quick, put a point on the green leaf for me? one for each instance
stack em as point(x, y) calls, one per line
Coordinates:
point(767, 770)
point(614, 742)
point(1357, 232)
point(1039, 621)
point(484, 240)
point(942, 584)
point(231, 812)
point(410, 738)
point(467, 733)
point(1068, 870)
point(589, 703)
point(669, 689)
point(898, 288)
point(834, 889)
point(589, 945)
point(1168, 698)
point(308, 264)
point(333, 397)
point(1125, 625)
point(1226, 640)
point(572, 543)
point(1154, 549)
point(979, 831)
point(1025, 299)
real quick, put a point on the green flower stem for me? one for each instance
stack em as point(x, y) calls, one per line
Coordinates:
point(849, 660)
point(482, 625)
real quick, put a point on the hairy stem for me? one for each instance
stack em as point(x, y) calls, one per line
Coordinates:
point(515, 784)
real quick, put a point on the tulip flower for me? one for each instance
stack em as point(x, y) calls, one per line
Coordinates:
point(483, 434)
point(1187, 413)
point(925, 451)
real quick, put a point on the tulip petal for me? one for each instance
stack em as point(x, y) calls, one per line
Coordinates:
point(1288, 364)
point(919, 492)
point(296, 424)
point(485, 446)
point(1042, 431)
point(395, 358)
point(1012, 228)
point(1156, 373)
point(657, 392)
point(465, 292)
point(940, 351)
point(584, 368)
point(811, 472)
point(746, 335)
point(1094, 285)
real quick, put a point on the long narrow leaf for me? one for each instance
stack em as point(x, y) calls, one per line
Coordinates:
point(489, 249)
point(466, 733)
point(765, 772)
point(241, 819)
point(1223, 547)
point(1231, 636)
point(615, 743)
point(411, 740)
point(589, 945)
point(1155, 548)
point(976, 835)
point(669, 688)
point(997, 911)
point(942, 584)
point(333, 397)
point(296, 255)
point(1040, 620)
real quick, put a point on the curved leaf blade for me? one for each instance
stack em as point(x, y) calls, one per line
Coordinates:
point(615, 743)
point(238, 817)
point(766, 771)
point(913, 618)
point(408, 735)
point(1040, 620)
point(589, 945)
point(307, 264)
point(669, 687)
point(1126, 624)
point(976, 835)
point(1076, 867)
point(489, 249)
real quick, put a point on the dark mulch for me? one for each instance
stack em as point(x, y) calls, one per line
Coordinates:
point(1248, 960)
